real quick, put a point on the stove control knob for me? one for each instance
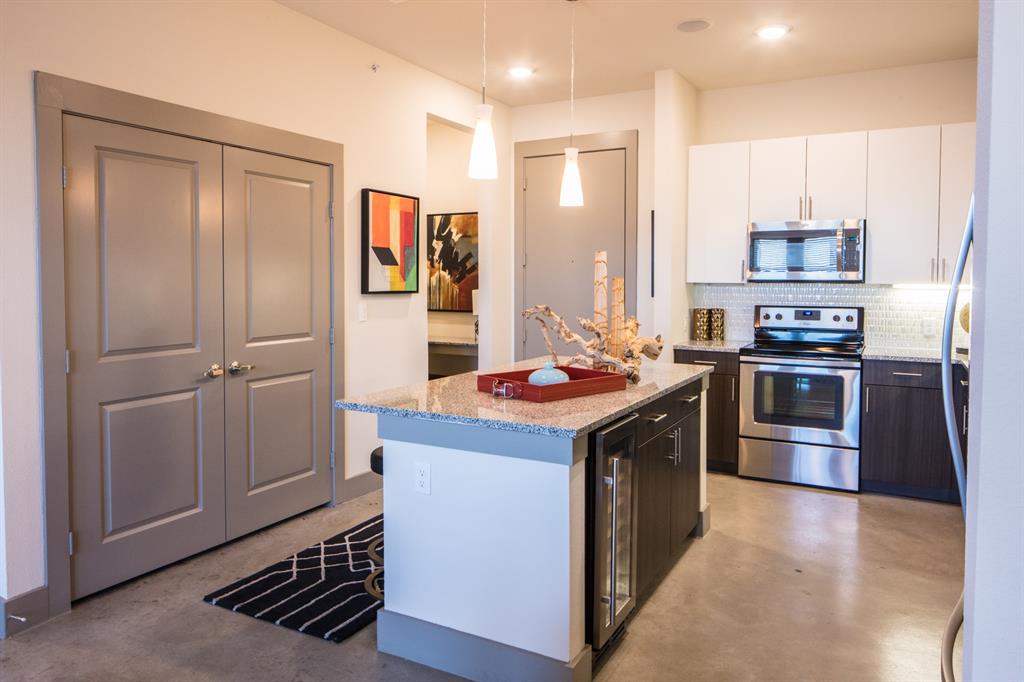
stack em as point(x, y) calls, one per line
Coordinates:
point(767, 316)
point(849, 318)
point(778, 316)
point(835, 318)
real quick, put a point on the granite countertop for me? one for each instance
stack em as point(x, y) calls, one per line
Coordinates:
point(874, 352)
point(451, 341)
point(456, 400)
point(726, 346)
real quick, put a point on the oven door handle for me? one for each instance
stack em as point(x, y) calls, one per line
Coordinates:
point(799, 362)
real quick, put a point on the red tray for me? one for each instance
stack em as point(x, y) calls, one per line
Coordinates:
point(581, 382)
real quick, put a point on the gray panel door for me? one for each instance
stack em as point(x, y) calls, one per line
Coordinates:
point(276, 319)
point(560, 242)
point(144, 306)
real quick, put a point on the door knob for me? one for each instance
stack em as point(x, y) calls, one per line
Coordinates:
point(236, 368)
point(213, 371)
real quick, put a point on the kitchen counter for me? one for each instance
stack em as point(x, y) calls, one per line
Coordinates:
point(451, 341)
point(873, 352)
point(456, 400)
point(486, 523)
point(726, 346)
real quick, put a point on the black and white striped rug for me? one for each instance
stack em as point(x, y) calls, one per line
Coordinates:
point(330, 590)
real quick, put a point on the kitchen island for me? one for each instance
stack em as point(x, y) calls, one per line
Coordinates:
point(486, 516)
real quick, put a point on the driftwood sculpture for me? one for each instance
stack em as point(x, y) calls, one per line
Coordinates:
point(594, 352)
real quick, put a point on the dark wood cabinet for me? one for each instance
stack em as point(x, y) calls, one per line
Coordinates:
point(904, 447)
point(685, 475)
point(668, 483)
point(723, 411)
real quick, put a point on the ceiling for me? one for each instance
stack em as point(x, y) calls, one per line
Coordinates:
point(620, 43)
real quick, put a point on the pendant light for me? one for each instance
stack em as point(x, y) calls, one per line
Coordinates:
point(572, 187)
point(483, 160)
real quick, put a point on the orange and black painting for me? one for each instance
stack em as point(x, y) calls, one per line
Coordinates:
point(452, 261)
point(391, 249)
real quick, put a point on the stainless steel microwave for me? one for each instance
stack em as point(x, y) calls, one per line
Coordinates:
point(806, 251)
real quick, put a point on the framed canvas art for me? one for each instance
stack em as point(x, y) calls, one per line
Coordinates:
point(453, 264)
point(391, 243)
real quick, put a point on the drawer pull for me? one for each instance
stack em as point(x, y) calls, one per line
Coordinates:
point(654, 419)
point(705, 362)
point(964, 383)
point(689, 399)
point(907, 374)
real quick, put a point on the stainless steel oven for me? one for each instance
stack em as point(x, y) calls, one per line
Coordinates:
point(806, 250)
point(800, 388)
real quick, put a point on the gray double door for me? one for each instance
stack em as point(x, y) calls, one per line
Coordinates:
point(198, 314)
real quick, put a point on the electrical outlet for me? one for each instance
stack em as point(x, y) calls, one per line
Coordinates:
point(422, 481)
point(361, 308)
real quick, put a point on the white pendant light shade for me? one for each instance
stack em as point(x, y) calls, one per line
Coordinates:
point(572, 188)
point(483, 161)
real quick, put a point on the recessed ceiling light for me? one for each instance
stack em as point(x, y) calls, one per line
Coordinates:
point(520, 72)
point(772, 32)
point(693, 25)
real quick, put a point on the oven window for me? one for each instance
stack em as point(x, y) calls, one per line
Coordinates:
point(794, 254)
point(799, 400)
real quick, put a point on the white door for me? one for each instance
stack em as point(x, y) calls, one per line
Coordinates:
point(778, 172)
point(837, 176)
point(956, 182)
point(716, 228)
point(903, 207)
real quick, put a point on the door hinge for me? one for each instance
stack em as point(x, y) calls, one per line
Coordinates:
point(332, 459)
point(330, 210)
point(64, 177)
point(67, 361)
point(330, 336)
point(71, 543)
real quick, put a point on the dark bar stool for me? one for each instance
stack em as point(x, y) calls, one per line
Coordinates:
point(377, 461)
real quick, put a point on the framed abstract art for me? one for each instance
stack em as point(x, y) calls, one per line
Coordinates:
point(391, 243)
point(453, 264)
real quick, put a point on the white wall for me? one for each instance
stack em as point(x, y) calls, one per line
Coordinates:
point(256, 61)
point(610, 113)
point(925, 94)
point(994, 571)
point(449, 190)
point(675, 124)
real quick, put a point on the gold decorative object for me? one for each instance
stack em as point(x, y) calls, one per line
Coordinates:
point(619, 348)
point(965, 318)
point(700, 328)
point(717, 324)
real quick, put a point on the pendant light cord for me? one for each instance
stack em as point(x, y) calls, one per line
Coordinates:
point(572, 75)
point(483, 87)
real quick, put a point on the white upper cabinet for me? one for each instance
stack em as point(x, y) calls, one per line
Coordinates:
point(778, 171)
point(956, 182)
point(902, 205)
point(717, 212)
point(837, 174)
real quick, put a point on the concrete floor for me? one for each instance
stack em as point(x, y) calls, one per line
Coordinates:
point(791, 584)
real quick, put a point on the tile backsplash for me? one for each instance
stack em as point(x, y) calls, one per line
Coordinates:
point(893, 317)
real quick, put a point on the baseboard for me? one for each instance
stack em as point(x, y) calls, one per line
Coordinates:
point(703, 526)
point(27, 610)
point(470, 656)
point(357, 486)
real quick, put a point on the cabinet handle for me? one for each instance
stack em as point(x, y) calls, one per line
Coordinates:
point(810, 207)
point(801, 208)
point(689, 399)
point(964, 429)
point(743, 270)
point(943, 268)
point(907, 374)
point(934, 271)
point(674, 437)
point(732, 385)
point(867, 399)
point(963, 382)
point(655, 418)
point(705, 362)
